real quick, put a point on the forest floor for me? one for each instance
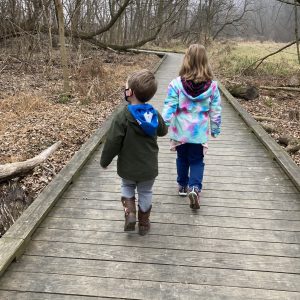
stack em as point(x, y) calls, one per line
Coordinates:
point(34, 114)
point(280, 70)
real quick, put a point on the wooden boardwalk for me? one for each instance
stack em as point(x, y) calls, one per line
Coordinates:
point(244, 243)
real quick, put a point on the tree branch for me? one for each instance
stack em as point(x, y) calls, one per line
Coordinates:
point(271, 54)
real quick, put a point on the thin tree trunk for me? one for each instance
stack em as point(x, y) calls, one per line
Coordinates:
point(63, 51)
point(296, 30)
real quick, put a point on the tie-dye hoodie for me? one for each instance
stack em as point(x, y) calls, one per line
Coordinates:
point(188, 117)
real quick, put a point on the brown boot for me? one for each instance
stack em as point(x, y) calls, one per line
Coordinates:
point(144, 222)
point(130, 213)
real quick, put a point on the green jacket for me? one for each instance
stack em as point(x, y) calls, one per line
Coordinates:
point(137, 152)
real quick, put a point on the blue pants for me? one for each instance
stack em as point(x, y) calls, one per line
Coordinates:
point(190, 160)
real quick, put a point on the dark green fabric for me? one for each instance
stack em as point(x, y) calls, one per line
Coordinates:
point(137, 152)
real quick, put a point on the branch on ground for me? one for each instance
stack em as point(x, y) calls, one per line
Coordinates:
point(283, 88)
point(11, 170)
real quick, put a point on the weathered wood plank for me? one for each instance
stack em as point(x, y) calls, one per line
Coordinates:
point(205, 194)
point(212, 202)
point(96, 185)
point(156, 272)
point(166, 257)
point(219, 202)
point(8, 249)
point(13, 295)
point(167, 242)
point(164, 179)
point(106, 287)
point(177, 230)
point(183, 208)
point(195, 218)
point(209, 171)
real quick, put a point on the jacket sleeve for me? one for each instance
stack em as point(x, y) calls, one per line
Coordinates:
point(162, 128)
point(170, 104)
point(215, 113)
point(114, 141)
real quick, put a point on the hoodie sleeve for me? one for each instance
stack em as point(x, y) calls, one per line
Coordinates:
point(114, 141)
point(162, 128)
point(170, 104)
point(215, 112)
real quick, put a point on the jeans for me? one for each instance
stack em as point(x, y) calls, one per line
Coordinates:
point(144, 190)
point(190, 165)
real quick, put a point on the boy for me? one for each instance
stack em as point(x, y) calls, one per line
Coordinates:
point(133, 138)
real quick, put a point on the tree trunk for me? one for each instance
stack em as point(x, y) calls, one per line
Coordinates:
point(296, 31)
point(63, 51)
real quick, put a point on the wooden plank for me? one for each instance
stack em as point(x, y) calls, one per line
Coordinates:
point(183, 208)
point(211, 202)
point(205, 194)
point(222, 164)
point(133, 289)
point(9, 248)
point(218, 202)
point(97, 185)
point(165, 179)
point(171, 157)
point(177, 230)
point(167, 242)
point(237, 173)
point(13, 295)
point(194, 219)
point(156, 272)
point(165, 256)
point(170, 168)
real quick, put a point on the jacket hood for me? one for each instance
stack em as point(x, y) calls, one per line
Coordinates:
point(206, 94)
point(146, 117)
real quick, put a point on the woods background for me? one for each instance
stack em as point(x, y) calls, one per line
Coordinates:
point(122, 24)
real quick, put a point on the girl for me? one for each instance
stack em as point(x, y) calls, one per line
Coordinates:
point(193, 100)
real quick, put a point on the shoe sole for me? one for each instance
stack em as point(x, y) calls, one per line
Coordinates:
point(182, 194)
point(194, 204)
point(130, 224)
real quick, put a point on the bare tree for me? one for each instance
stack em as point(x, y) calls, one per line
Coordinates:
point(63, 52)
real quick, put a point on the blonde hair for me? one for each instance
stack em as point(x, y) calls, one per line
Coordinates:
point(143, 84)
point(195, 64)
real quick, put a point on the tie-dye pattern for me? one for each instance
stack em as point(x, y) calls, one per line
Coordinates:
point(189, 117)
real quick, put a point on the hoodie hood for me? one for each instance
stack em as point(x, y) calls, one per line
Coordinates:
point(195, 88)
point(195, 91)
point(146, 116)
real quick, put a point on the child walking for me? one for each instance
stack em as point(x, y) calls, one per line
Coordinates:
point(133, 138)
point(192, 104)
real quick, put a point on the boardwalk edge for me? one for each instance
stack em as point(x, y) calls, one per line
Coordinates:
point(279, 154)
point(14, 241)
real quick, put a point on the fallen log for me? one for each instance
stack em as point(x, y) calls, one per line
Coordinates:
point(292, 148)
point(244, 92)
point(260, 118)
point(11, 170)
point(284, 140)
point(282, 88)
point(269, 128)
